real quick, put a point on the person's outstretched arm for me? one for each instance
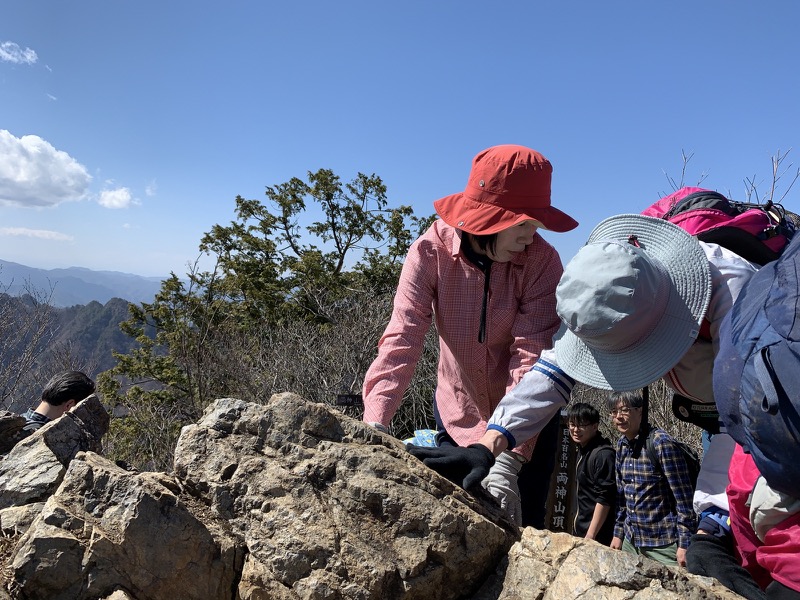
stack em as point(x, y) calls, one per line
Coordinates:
point(524, 411)
point(530, 405)
point(401, 344)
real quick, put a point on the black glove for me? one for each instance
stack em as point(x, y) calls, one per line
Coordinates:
point(466, 467)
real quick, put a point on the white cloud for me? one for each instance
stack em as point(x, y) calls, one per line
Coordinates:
point(42, 234)
point(51, 97)
point(11, 52)
point(151, 188)
point(34, 174)
point(118, 198)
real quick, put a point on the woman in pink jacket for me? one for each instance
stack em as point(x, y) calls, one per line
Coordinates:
point(487, 280)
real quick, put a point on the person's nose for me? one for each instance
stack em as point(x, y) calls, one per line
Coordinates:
point(526, 235)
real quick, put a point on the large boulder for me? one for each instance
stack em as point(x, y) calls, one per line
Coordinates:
point(33, 469)
point(558, 566)
point(108, 529)
point(323, 502)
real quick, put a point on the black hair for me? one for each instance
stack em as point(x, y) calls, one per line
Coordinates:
point(66, 386)
point(632, 399)
point(487, 243)
point(581, 413)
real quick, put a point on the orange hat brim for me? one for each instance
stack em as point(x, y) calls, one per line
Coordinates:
point(480, 218)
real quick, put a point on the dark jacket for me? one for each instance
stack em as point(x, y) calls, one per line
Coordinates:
point(34, 421)
point(596, 484)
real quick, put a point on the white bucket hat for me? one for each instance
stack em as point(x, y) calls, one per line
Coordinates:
point(631, 302)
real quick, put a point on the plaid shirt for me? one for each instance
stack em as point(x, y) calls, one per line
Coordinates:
point(653, 510)
point(438, 284)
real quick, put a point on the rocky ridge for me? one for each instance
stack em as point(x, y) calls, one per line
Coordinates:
point(286, 500)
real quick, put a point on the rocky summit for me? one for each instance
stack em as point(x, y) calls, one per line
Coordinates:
point(286, 500)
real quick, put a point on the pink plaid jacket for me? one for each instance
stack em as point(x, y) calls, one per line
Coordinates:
point(438, 284)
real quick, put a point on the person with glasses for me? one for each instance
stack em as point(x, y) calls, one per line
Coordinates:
point(595, 482)
point(654, 502)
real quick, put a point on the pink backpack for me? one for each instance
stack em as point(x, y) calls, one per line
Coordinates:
point(756, 232)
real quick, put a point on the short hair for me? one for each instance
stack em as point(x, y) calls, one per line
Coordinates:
point(66, 386)
point(632, 399)
point(582, 413)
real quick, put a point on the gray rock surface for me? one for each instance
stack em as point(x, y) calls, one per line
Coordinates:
point(11, 433)
point(33, 469)
point(555, 566)
point(288, 500)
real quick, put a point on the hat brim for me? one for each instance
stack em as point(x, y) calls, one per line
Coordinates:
point(674, 333)
point(480, 218)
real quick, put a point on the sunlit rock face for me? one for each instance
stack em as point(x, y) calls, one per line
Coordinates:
point(286, 500)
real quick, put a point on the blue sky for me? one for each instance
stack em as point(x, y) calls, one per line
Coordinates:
point(128, 128)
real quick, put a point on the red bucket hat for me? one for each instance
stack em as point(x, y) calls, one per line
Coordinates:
point(508, 184)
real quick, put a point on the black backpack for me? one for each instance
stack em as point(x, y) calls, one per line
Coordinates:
point(692, 459)
point(689, 454)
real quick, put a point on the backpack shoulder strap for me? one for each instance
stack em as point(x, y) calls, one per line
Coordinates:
point(651, 451)
point(597, 450)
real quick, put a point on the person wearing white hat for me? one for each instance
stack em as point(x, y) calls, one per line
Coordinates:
point(641, 300)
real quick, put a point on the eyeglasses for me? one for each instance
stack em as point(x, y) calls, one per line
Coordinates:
point(622, 412)
point(574, 426)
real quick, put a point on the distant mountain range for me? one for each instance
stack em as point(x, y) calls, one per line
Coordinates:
point(77, 285)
